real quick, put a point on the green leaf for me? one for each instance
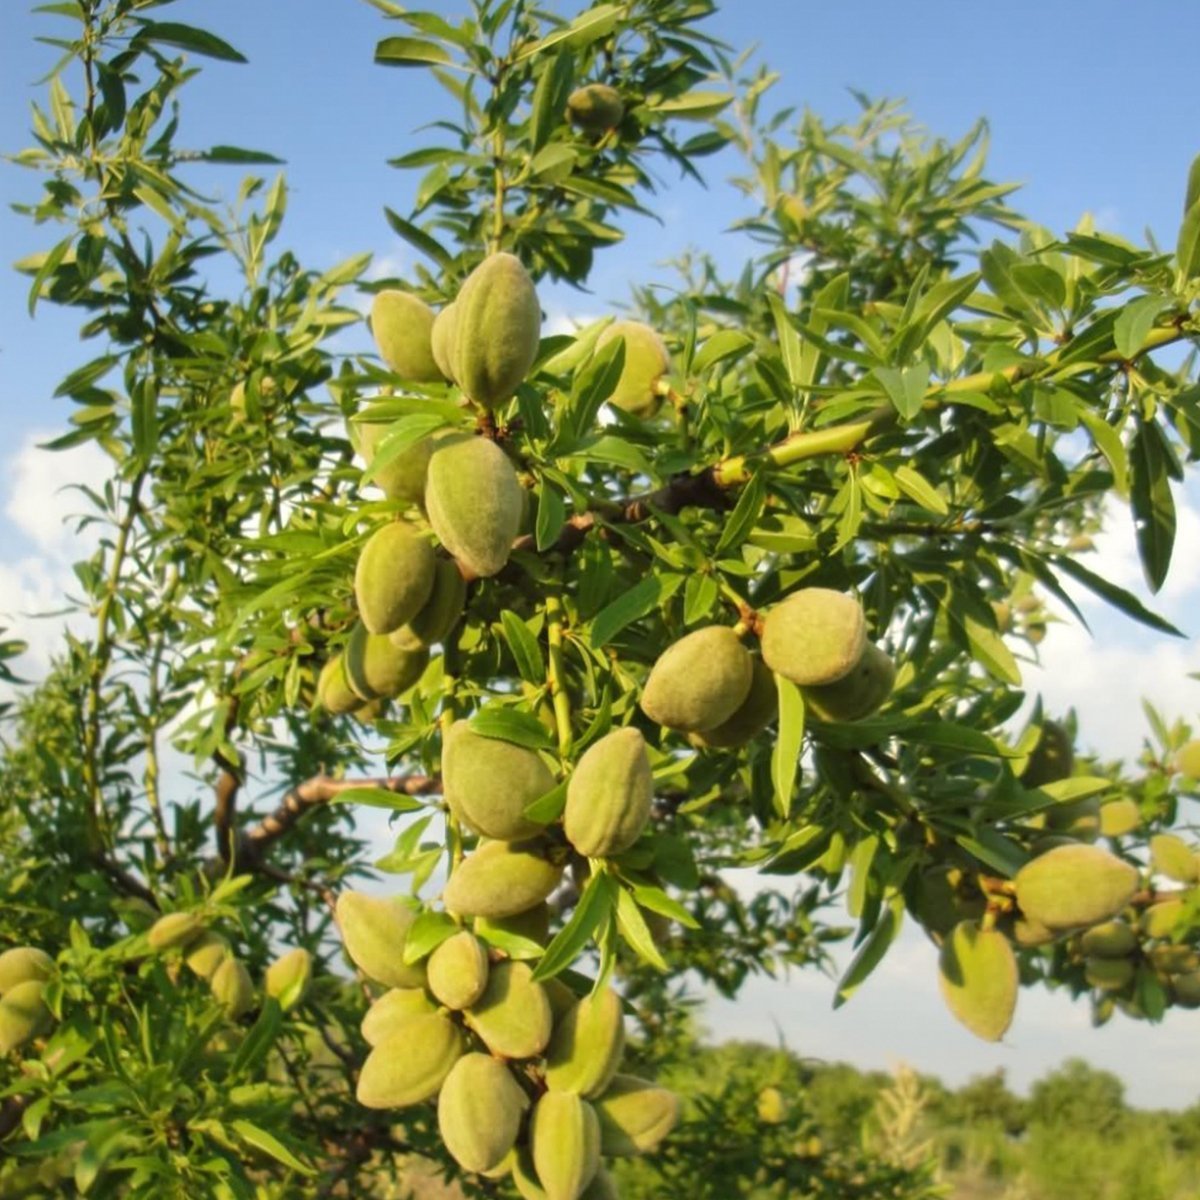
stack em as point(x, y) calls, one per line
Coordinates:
point(254, 1047)
point(187, 37)
point(633, 928)
point(1108, 442)
point(411, 52)
point(420, 239)
point(994, 850)
point(1152, 503)
point(426, 934)
point(986, 646)
point(699, 595)
point(1134, 324)
point(509, 725)
point(402, 436)
point(550, 98)
point(656, 900)
point(589, 26)
point(376, 797)
point(872, 950)
point(905, 388)
point(270, 1145)
point(551, 516)
point(746, 512)
point(1187, 248)
point(630, 606)
point(789, 340)
point(785, 757)
point(1118, 597)
point(725, 343)
point(235, 154)
point(693, 106)
point(916, 487)
point(525, 649)
point(595, 906)
point(545, 810)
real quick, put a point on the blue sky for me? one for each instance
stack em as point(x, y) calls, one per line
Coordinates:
point(1092, 106)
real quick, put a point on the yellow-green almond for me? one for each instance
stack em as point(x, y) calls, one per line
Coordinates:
point(488, 782)
point(232, 987)
point(1029, 934)
point(1119, 817)
point(474, 502)
point(1053, 757)
point(174, 930)
point(374, 930)
point(443, 609)
point(1186, 990)
point(647, 361)
point(206, 954)
point(595, 107)
point(814, 637)
point(1108, 974)
point(979, 981)
point(512, 1017)
point(586, 1046)
point(394, 577)
point(1173, 857)
point(772, 1107)
point(23, 1014)
point(442, 341)
point(1160, 920)
point(289, 977)
point(377, 667)
point(858, 694)
point(564, 1140)
point(1109, 939)
point(22, 964)
point(1075, 885)
point(700, 681)
point(457, 971)
point(524, 1175)
point(497, 330)
point(395, 1007)
point(402, 325)
point(635, 1116)
point(1187, 759)
point(403, 477)
point(609, 795)
point(501, 879)
point(334, 693)
point(754, 714)
point(562, 998)
point(1174, 959)
point(410, 1065)
point(479, 1112)
point(602, 1187)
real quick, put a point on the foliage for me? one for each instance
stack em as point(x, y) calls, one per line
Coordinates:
point(883, 402)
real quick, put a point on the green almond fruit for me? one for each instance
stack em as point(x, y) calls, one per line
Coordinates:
point(609, 795)
point(23, 1014)
point(497, 330)
point(206, 954)
point(403, 478)
point(752, 716)
point(602, 1187)
point(442, 610)
point(979, 980)
point(647, 362)
point(457, 971)
point(23, 964)
point(1187, 759)
point(479, 1112)
point(393, 1009)
point(334, 693)
point(443, 340)
point(858, 694)
point(635, 1116)
point(374, 930)
point(586, 1046)
point(564, 1141)
point(1159, 920)
point(289, 977)
point(411, 1065)
point(1074, 886)
point(700, 681)
point(394, 577)
point(1109, 939)
point(488, 783)
point(595, 108)
point(1053, 757)
point(772, 1107)
point(1173, 857)
point(232, 987)
point(562, 998)
point(1186, 990)
point(474, 502)
point(402, 326)
point(1029, 935)
point(1119, 817)
point(814, 637)
point(512, 1017)
point(174, 930)
point(1174, 960)
point(378, 668)
point(1108, 974)
point(501, 879)
point(942, 897)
